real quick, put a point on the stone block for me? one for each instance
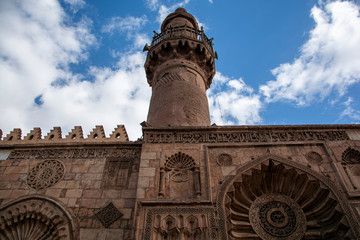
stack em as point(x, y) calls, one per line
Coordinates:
point(111, 194)
point(147, 172)
point(86, 202)
point(228, 170)
point(73, 193)
point(91, 193)
point(148, 155)
point(128, 193)
point(53, 192)
point(140, 193)
point(18, 193)
point(144, 182)
point(80, 168)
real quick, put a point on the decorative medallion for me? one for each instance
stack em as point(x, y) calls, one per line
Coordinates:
point(224, 160)
point(314, 157)
point(108, 214)
point(45, 174)
point(276, 216)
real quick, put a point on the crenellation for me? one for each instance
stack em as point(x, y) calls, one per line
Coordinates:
point(33, 135)
point(55, 136)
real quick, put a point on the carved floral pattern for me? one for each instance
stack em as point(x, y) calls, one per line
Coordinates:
point(351, 156)
point(45, 174)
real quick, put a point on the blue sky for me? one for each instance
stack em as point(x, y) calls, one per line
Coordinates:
point(75, 62)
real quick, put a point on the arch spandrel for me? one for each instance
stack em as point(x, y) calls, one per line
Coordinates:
point(36, 217)
point(295, 188)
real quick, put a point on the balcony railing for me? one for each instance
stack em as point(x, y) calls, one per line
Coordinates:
point(183, 31)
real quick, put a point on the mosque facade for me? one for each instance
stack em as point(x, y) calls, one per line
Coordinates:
point(184, 178)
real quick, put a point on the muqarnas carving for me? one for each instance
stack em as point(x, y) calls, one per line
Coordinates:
point(181, 226)
point(108, 214)
point(351, 165)
point(45, 174)
point(179, 178)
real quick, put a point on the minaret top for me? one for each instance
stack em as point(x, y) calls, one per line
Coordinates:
point(178, 18)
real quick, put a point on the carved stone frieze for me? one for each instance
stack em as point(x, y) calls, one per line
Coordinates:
point(45, 174)
point(241, 137)
point(177, 222)
point(74, 153)
point(108, 214)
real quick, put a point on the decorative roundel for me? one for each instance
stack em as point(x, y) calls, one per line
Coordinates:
point(224, 159)
point(275, 216)
point(180, 161)
point(314, 157)
point(45, 174)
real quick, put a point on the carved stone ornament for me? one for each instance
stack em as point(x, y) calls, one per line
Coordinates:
point(108, 214)
point(224, 160)
point(35, 219)
point(178, 165)
point(351, 156)
point(314, 158)
point(274, 216)
point(45, 174)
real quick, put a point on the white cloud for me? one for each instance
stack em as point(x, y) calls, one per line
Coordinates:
point(166, 10)
point(75, 5)
point(329, 61)
point(125, 24)
point(232, 102)
point(37, 45)
point(350, 111)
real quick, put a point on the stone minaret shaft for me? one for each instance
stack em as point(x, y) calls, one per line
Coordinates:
point(179, 67)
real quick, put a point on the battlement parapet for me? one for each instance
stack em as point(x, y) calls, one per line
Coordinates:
point(55, 136)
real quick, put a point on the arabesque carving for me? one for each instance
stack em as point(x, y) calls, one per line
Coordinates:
point(45, 174)
point(314, 158)
point(224, 159)
point(75, 153)
point(35, 218)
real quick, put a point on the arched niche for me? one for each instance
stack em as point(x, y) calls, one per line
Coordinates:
point(36, 218)
point(275, 198)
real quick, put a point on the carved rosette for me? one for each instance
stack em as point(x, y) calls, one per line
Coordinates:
point(275, 216)
point(224, 159)
point(45, 174)
point(314, 158)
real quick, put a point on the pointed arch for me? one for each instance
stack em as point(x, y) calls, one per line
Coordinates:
point(289, 185)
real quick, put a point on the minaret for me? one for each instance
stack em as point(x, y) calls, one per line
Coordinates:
point(180, 66)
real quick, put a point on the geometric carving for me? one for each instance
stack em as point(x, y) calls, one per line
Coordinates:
point(13, 135)
point(224, 160)
point(275, 215)
point(35, 219)
point(108, 214)
point(314, 158)
point(45, 174)
point(351, 156)
point(322, 212)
